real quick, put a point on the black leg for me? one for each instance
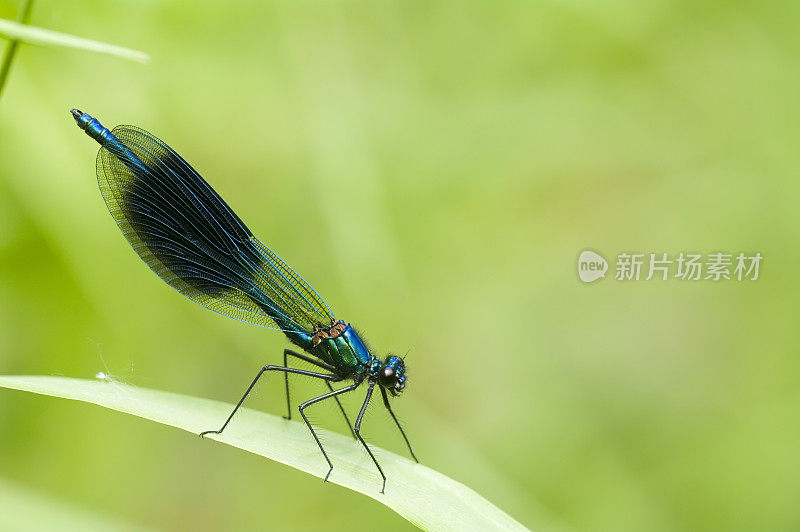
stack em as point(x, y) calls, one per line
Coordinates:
point(389, 408)
point(310, 402)
point(288, 352)
point(358, 432)
point(319, 364)
point(341, 409)
point(268, 367)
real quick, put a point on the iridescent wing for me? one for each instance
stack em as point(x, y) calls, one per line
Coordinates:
point(184, 231)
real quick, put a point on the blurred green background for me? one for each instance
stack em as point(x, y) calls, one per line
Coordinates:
point(433, 169)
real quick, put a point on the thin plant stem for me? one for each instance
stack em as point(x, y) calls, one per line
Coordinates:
point(11, 49)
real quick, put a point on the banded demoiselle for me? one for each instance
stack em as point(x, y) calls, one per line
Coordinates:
point(184, 231)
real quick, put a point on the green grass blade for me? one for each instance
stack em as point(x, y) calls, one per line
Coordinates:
point(33, 35)
point(11, 49)
point(421, 495)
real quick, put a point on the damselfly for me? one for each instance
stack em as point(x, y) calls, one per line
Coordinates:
point(183, 230)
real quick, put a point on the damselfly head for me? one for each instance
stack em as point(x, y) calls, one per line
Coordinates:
point(392, 375)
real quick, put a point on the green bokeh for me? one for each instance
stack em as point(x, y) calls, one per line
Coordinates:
point(433, 169)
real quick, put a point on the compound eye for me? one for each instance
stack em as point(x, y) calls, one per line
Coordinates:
point(387, 376)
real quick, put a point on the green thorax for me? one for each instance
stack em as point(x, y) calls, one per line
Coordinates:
point(346, 352)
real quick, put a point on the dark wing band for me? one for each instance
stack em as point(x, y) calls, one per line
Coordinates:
point(190, 238)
